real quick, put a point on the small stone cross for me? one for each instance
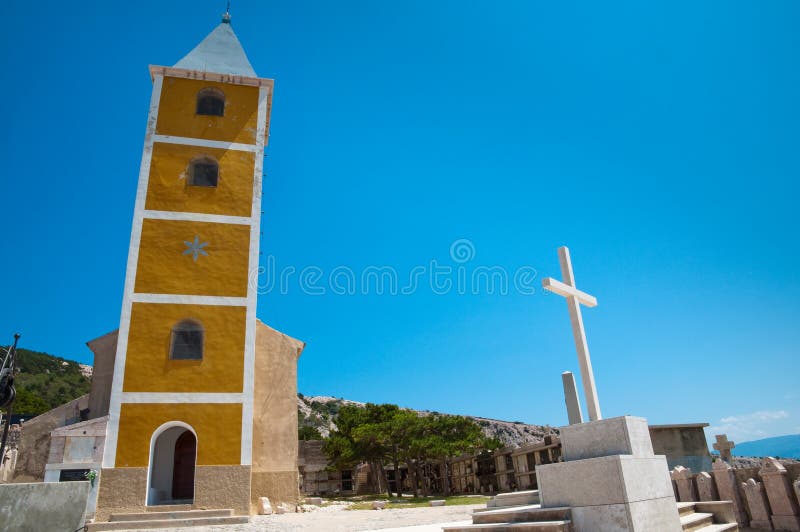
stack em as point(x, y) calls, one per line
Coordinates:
point(724, 447)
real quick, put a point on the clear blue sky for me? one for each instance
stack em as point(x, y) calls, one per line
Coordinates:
point(658, 140)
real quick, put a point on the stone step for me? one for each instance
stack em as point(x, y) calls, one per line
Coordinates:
point(696, 521)
point(514, 498)
point(180, 514)
point(685, 508)
point(540, 526)
point(722, 527)
point(521, 514)
point(722, 510)
point(169, 508)
point(167, 523)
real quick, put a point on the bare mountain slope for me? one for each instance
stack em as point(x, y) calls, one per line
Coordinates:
point(320, 412)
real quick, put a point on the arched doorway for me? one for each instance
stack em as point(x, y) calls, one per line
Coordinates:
point(172, 463)
point(183, 467)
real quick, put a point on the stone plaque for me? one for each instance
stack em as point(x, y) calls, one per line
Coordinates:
point(72, 475)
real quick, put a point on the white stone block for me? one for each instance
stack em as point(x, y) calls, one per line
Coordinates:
point(604, 481)
point(646, 477)
point(378, 505)
point(607, 437)
point(264, 507)
point(655, 514)
point(642, 516)
point(437, 503)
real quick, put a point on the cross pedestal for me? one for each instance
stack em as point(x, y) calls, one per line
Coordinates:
point(610, 478)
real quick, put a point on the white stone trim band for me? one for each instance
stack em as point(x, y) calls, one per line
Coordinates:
point(203, 143)
point(180, 299)
point(112, 429)
point(198, 217)
point(180, 397)
point(252, 293)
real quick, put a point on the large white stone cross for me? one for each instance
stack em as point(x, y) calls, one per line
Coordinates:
point(574, 300)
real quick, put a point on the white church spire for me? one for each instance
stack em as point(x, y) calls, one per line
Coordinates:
point(220, 52)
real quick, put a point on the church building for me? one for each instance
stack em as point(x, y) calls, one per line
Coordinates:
point(202, 399)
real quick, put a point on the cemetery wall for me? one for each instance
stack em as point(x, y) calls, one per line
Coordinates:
point(683, 444)
point(34, 442)
point(51, 506)
point(764, 497)
point(505, 469)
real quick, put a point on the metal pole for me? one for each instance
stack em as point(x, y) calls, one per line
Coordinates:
point(10, 410)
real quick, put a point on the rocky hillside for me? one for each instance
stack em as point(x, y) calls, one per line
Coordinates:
point(44, 381)
point(320, 412)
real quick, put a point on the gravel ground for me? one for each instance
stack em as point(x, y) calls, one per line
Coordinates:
point(335, 519)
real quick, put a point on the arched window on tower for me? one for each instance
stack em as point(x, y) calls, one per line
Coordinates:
point(211, 102)
point(203, 172)
point(186, 342)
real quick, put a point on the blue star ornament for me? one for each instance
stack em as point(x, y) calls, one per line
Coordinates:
point(195, 248)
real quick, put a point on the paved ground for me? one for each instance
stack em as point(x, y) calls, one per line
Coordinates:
point(335, 519)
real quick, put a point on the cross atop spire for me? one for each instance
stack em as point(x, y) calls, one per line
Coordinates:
point(220, 52)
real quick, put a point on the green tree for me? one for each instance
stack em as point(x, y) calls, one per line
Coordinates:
point(361, 436)
point(389, 431)
point(381, 434)
point(373, 437)
point(29, 403)
point(341, 447)
point(401, 432)
point(451, 436)
point(44, 382)
point(308, 433)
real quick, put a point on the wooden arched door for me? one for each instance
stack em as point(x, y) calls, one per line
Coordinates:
point(183, 468)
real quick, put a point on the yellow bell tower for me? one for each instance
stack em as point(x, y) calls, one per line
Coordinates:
point(181, 413)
